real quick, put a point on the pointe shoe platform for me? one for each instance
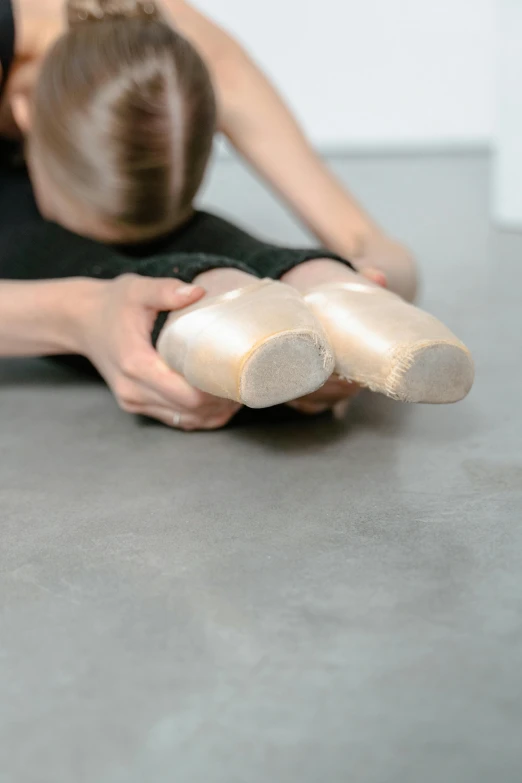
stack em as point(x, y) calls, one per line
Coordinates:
point(390, 346)
point(259, 345)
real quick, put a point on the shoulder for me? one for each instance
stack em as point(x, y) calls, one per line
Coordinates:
point(38, 24)
point(207, 36)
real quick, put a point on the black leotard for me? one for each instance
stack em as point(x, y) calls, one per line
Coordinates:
point(33, 249)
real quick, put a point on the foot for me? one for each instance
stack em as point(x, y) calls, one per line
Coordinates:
point(390, 346)
point(259, 345)
point(380, 341)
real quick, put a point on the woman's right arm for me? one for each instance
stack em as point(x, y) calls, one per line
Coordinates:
point(110, 322)
point(37, 318)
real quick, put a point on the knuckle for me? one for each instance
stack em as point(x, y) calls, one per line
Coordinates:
point(130, 284)
point(123, 391)
point(196, 400)
point(119, 387)
point(130, 365)
point(128, 406)
point(126, 280)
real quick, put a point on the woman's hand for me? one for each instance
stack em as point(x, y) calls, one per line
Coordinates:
point(336, 395)
point(114, 333)
point(393, 259)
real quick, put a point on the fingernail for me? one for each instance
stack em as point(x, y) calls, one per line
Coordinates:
point(378, 277)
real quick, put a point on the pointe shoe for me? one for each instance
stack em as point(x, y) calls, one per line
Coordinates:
point(259, 345)
point(390, 346)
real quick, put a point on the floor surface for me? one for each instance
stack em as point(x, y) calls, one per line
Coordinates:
point(288, 601)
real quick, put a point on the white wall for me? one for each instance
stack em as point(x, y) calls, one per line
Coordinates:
point(374, 73)
point(507, 180)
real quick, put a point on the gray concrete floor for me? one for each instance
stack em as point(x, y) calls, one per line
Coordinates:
point(286, 600)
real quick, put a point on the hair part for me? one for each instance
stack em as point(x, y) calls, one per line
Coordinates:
point(124, 116)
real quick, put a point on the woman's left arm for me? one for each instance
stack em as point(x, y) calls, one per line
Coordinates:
point(261, 127)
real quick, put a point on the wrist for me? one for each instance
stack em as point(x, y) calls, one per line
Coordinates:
point(47, 317)
point(349, 238)
point(82, 299)
point(331, 213)
point(340, 223)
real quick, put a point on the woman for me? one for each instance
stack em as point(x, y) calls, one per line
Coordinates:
point(119, 116)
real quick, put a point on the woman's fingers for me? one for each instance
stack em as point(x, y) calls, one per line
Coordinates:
point(145, 379)
point(116, 333)
point(173, 394)
point(184, 420)
point(334, 392)
point(173, 419)
point(174, 391)
point(165, 395)
point(159, 294)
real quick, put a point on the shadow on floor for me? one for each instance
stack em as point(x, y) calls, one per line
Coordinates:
point(280, 428)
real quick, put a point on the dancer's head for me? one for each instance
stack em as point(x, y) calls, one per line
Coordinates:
point(120, 124)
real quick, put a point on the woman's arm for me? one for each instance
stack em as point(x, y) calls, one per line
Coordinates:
point(110, 322)
point(261, 127)
point(263, 130)
point(38, 318)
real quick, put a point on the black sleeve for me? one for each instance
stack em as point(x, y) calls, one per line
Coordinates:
point(38, 250)
point(206, 233)
point(44, 251)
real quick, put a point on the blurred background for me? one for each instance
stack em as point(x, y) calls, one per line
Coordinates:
point(396, 75)
point(375, 73)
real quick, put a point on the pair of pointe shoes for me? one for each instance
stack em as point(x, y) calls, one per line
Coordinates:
point(267, 344)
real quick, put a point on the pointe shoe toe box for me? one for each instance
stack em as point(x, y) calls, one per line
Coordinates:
point(436, 373)
point(260, 346)
point(283, 368)
point(390, 346)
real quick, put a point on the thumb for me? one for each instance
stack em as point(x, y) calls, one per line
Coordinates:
point(166, 294)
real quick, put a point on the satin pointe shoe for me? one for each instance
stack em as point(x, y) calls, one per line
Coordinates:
point(259, 345)
point(389, 346)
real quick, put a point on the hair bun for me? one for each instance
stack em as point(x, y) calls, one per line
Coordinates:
point(80, 11)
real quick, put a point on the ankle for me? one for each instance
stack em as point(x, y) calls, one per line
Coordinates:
point(318, 272)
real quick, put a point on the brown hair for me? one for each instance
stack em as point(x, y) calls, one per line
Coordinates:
point(124, 116)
